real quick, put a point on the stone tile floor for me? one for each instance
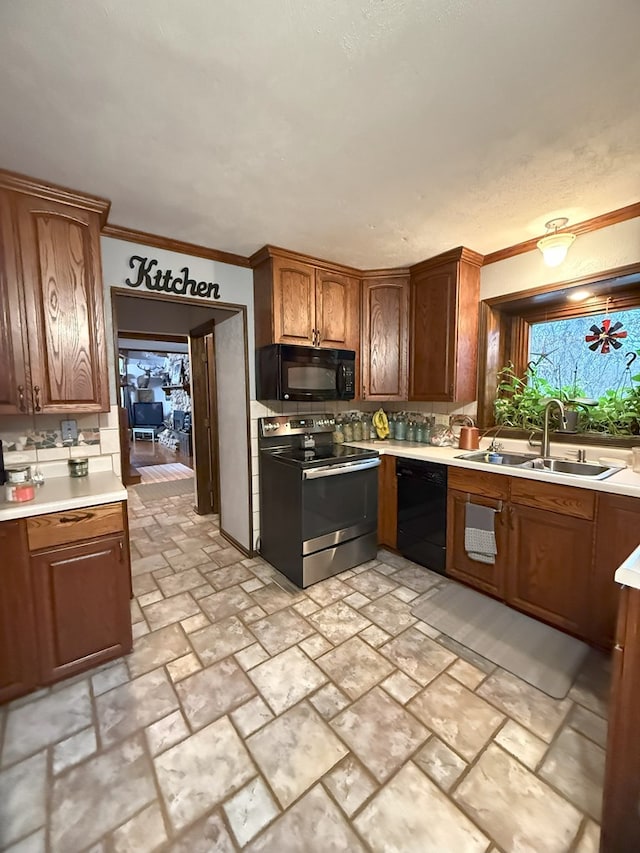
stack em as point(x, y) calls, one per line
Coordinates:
point(252, 717)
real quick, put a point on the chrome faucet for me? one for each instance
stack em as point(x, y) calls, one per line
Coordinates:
point(545, 444)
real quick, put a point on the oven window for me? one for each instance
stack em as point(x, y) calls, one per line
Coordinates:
point(339, 502)
point(309, 377)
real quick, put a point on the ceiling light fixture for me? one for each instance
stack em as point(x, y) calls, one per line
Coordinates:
point(554, 246)
point(579, 295)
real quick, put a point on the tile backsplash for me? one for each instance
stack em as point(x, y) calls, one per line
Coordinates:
point(38, 439)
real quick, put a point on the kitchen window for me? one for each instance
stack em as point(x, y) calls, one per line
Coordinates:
point(540, 334)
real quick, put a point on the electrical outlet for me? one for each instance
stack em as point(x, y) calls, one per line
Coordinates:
point(69, 431)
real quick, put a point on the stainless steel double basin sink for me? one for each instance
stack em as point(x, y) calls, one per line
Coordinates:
point(543, 464)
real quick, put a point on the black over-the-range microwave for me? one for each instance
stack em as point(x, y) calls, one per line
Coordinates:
point(305, 374)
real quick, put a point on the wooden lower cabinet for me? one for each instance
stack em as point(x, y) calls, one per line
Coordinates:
point(486, 577)
point(79, 592)
point(620, 827)
point(549, 565)
point(617, 535)
point(18, 650)
point(65, 586)
point(387, 502)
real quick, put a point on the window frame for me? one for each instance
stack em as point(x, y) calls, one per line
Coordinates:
point(504, 327)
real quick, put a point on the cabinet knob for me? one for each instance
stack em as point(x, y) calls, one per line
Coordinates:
point(21, 397)
point(36, 391)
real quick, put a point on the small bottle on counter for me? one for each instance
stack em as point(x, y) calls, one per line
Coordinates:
point(78, 467)
point(411, 430)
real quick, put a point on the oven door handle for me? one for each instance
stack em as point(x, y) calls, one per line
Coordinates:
point(334, 470)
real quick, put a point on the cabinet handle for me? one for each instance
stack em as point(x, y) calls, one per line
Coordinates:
point(81, 516)
point(511, 517)
point(21, 397)
point(36, 390)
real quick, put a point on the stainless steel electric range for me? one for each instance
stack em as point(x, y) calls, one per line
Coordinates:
point(318, 500)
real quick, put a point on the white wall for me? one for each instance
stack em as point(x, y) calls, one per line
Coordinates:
point(236, 284)
point(605, 249)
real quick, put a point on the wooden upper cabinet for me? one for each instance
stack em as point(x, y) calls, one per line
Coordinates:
point(445, 293)
point(60, 254)
point(337, 310)
point(52, 282)
point(297, 301)
point(385, 338)
point(14, 377)
point(293, 302)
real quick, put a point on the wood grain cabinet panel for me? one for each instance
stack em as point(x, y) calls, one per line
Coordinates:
point(444, 327)
point(299, 302)
point(74, 525)
point(617, 535)
point(18, 651)
point(81, 593)
point(620, 826)
point(549, 566)
point(385, 339)
point(52, 339)
point(337, 310)
point(14, 377)
point(62, 279)
point(487, 577)
point(387, 502)
point(293, 302)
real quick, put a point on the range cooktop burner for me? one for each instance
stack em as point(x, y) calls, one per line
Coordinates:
point(327, 454)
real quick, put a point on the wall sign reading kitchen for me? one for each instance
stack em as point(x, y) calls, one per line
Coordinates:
point(166, 282)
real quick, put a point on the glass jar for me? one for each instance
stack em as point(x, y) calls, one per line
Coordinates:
point(392, 425)
point(338, 432)
point(411, 430)
point(635, 459)
point(401, 427)
point(78, 467)
point(367, 426)
point(347, 429)
point(357, 429)
point(420, 432)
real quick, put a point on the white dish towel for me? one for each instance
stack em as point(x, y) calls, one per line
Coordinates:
point(479, 533)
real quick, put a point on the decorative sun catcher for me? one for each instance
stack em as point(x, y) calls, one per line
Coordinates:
point(606, 336)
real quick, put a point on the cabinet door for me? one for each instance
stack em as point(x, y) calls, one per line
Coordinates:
point(337, 310)
point(18, 651)
point(486, 577)
point(82, 606)
point(549, 564)
point(433, 334)
point(617, 526)
point(293, 302)
point(387, 502)
point(14, 383)
point(62, 279)
point(385, 327)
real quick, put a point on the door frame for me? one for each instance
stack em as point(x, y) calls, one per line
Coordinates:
point(204, 408)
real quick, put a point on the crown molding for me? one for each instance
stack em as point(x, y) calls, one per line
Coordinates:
point(54, 192)
point(631, 211)
point(132, 235)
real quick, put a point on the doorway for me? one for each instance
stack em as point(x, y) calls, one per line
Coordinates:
point(219, 382)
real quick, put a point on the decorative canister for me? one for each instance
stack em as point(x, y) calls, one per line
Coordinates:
point(23, 491)
point(78, 467)
point(20, 474)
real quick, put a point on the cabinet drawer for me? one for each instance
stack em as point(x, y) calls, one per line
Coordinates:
point(61, 528)
point(478, 483)
point(566, 500)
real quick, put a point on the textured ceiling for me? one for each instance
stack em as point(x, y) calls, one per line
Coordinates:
point(371, 132)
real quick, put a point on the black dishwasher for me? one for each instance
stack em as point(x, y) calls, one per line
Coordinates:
point(422, 512)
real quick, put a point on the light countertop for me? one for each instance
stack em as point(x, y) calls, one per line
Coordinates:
point(624, 482)
point(60, 493)
point(629, 572)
